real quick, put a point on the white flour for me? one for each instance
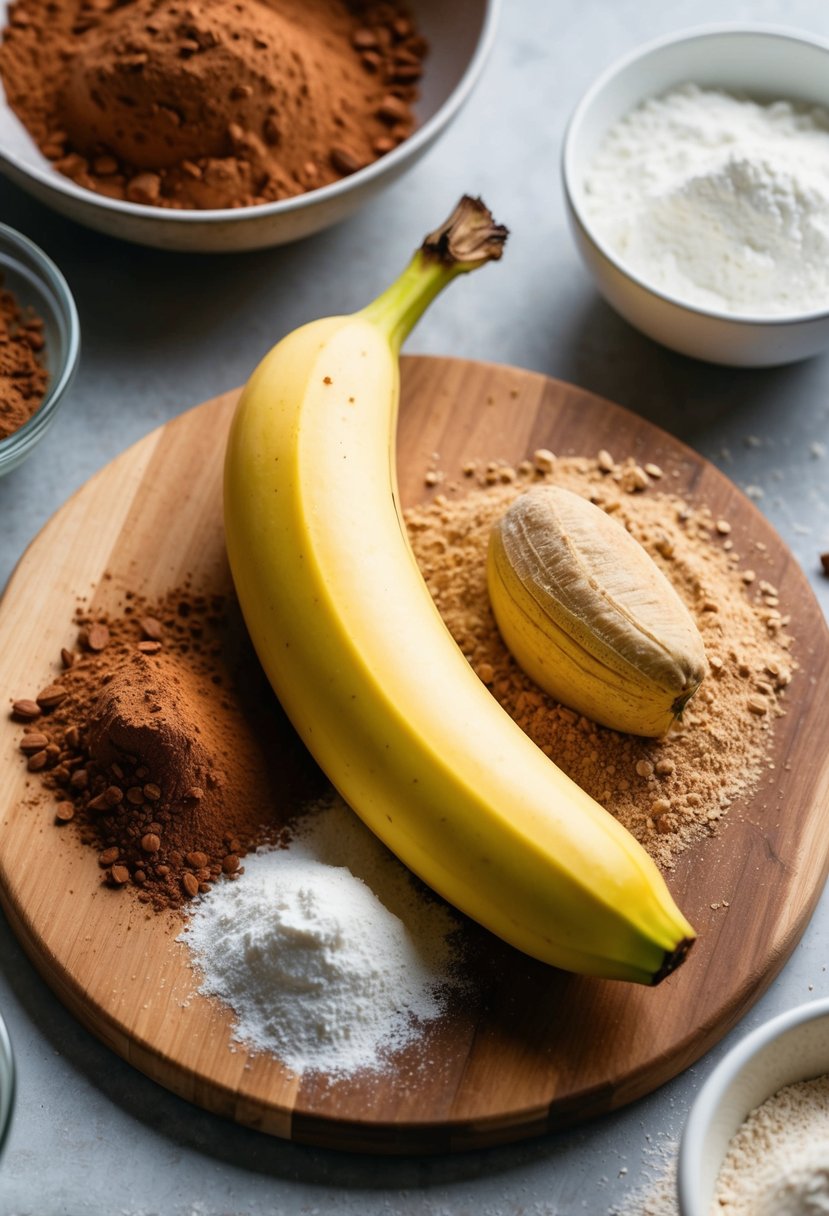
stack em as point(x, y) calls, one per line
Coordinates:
point(328, 952)
point(718, 201)
point(778, 1160)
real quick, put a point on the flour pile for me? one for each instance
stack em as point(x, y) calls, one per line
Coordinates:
point(718, 200)
point(329, 952)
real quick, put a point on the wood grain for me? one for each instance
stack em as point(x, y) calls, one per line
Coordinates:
point(540, 1049)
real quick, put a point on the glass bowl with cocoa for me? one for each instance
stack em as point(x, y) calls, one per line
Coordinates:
point(39, 345)
point(224, 125)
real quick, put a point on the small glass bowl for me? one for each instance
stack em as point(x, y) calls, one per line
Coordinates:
point(37, 283)
point(7, 1082)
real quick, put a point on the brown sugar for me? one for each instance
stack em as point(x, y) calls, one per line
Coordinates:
point(23, 378)
point(211, 103)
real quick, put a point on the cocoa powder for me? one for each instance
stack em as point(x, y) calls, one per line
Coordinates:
point(211, 103)
point(173, 761)
point(23, 378)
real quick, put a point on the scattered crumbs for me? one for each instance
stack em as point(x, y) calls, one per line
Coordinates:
point(543, 460)
point(656, 1196)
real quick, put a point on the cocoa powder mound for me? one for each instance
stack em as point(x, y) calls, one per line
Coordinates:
point(165, 748)
point(23, 378)
point(211, 103)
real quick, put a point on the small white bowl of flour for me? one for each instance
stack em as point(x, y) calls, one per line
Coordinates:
point(696, 176)
point(757, 1139)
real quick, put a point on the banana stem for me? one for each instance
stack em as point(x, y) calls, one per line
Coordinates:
point(470, 238)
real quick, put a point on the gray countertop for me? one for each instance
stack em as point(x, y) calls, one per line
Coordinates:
point(162, 332)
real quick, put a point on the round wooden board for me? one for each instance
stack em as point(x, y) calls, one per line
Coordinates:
point(542, 1049)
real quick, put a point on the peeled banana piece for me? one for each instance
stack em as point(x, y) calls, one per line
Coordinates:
point(371, 678)
point(589, 616)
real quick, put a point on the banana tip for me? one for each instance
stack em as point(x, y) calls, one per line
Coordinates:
point(672, 960)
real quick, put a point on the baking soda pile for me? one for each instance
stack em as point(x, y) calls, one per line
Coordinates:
point(328, 952)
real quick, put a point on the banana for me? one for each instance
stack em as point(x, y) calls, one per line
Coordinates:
point(357, 653)
point(589, 616)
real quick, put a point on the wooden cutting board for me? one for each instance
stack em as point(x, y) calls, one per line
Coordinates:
point(544, 1049)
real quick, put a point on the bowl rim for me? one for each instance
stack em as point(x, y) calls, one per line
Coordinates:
point(707, 1101)
point(614, 69)
point(208, 217)
point(7, 1099)
point(18, 444)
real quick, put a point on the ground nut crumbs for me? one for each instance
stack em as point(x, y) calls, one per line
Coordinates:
point(668, 792)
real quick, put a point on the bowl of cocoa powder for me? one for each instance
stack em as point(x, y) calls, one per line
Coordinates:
point(218, 125)
point(39, 345)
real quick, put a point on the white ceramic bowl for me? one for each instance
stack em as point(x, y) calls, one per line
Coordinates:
point(460, 36)
point(766, 62)
point(791, 1047)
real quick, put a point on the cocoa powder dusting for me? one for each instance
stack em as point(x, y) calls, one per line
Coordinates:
point(23, 378)
point(211, 103)
point(667, 792)
point(172, 763)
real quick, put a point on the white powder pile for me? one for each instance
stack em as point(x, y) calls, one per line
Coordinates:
point(329, 953)
point(778, 1160)
point(719, 201)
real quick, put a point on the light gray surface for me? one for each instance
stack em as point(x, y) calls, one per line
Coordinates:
point(163, 331)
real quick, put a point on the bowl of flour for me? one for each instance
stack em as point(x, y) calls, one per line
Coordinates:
point(757, 1139)
point(696, 177)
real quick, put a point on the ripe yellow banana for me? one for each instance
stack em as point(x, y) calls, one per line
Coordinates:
point(373, 682)
point(589, 616)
